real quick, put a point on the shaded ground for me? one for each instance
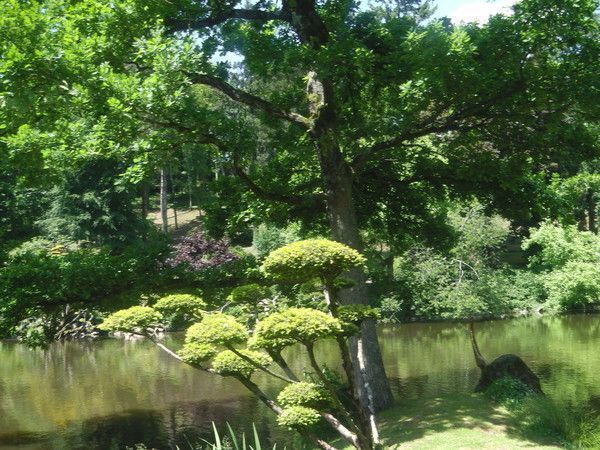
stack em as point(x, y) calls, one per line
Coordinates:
point(187, 220)
point(455, 422)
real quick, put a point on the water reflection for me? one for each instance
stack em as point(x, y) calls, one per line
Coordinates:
point(113, 393)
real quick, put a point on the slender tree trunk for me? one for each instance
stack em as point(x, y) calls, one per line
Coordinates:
point(145, 200)
point(173, 197)
point(591, 210)
point(163, 200)
point(190, 189)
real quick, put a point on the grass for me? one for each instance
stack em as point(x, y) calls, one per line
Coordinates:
point(457, 422)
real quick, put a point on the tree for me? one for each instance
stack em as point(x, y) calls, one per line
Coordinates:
point(217, 343)
point(369, 119)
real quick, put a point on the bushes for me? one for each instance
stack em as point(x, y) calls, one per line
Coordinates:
point(34, 282)
point(576, 427)
point(574, 286)
point(568, 262)
point(268, 238)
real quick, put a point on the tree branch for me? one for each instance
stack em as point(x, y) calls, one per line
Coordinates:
point(458, 121)
point(178, 24)
point(259, 366)
point(250, 100)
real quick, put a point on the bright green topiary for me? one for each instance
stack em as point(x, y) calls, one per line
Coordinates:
point(134, 319)
point(227, 363)
point(303, 325)
point(218, 329)
point(298, 417)
point(311, 258)
point(180, 304)
point(304, 393)
point(195, 353)
point(249, 294)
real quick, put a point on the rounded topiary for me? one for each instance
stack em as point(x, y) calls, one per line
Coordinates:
point(303, 325)
point(304, 393)
point(303, 260)
point(195, 353)
point(249, 294)
point(227, 363)
point(218, 329)
point(180, 304)
point(134, 319)
point(298, 417)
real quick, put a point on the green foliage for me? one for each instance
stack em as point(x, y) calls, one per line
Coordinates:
point(249, 294)
point(184, 306)
point(575, 426)
point(508, 391)
point(136, 319)
point(304, 393)
point(298, 417)
point(575, 285)
point(268, 238)
point(35, 281)
point(231, 442)
point(218, 329)
point(303, 260)
point(552, 246)
point(302, 325)
point(355, 314)
point(93, 205)
point(196, 353)
point(227, 363)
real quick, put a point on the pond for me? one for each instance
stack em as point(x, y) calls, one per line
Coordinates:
point(115, 393)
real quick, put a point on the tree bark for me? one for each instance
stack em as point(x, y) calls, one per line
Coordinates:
point(173, 197)
point(163, 200)
point(591, 210)
point(145, 200)
point(344, 227)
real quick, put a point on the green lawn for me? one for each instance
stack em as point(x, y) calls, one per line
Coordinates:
point(455, 422)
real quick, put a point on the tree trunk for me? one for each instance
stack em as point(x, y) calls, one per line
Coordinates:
point(163, 200)
point(173, 197)
point(145, 200)
point(344, 228)
point(591, 210)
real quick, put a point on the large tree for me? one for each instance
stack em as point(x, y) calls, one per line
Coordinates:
point(340, 109)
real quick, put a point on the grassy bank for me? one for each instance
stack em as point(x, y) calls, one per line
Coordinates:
point(457, 422)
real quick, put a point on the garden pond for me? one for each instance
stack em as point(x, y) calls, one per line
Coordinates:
point(116, 393)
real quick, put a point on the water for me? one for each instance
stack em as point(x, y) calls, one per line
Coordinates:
point(115, 393)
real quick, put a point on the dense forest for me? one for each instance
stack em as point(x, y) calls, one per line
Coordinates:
point(270, 174)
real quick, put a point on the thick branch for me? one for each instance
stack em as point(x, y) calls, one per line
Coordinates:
point(259, 366)
point(257, 15)
point(341, 429)
point(276, 356)
point(470, 117)
point(250, 100)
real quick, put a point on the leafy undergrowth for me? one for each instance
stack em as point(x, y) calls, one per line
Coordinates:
point(457, 422)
